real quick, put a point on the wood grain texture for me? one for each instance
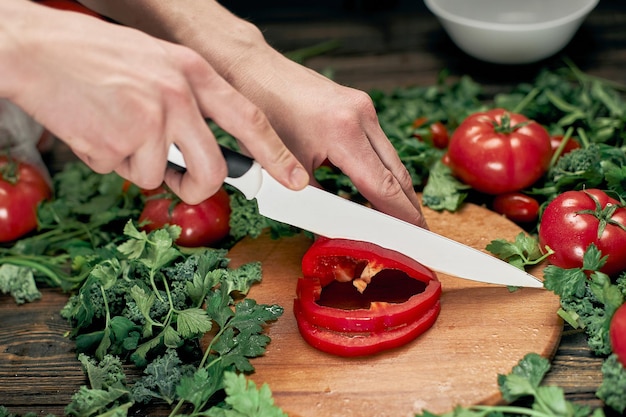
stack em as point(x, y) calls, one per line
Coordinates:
point(482, 331)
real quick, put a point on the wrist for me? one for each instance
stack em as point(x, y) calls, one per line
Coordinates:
point(231, 45)
point(14, 21)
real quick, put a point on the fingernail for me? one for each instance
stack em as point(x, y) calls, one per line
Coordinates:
point(299, 178)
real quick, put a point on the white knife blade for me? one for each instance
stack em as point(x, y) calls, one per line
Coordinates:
point(329, 215)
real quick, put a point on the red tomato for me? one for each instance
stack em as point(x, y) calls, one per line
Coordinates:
point(22, 188)
point(437, 133)
point(555, 142)
point(617, 333)
point(69, 5)
point(516, 206)
point(203, 224)
point(572, 221)
point(498, 151)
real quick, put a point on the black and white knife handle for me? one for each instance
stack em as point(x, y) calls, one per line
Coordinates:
point(244, 173)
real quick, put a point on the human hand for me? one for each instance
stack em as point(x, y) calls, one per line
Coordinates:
point(319, 119)
point(119, 98)
point(315, 117)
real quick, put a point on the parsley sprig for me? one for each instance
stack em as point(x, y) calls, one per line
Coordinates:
point(524, 383)
point(153, 305)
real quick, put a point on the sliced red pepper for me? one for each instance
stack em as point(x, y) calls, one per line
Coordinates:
point(378, 316)
point(361, 344)
point(405, 292)
point(345, 259)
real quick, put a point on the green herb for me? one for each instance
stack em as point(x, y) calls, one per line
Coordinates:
point(245, 220)
point(19, 283)
point(524, 382)
point(149, 303)
point(443, 191)
point(613, 386)
point(588, 298)
point(5, 413)
point(522, 252)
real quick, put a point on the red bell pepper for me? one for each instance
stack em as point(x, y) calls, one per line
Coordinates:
point(362, 344)
point(385, 300)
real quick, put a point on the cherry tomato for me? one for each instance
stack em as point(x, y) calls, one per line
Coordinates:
point(437, 133)
point(575, 219)
point(555, 142)
point(516, 206)
point(497, 151)
point(617, 333)
point(22, 188)
point(202, 224)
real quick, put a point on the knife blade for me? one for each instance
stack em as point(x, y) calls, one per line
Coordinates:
point(329, 215)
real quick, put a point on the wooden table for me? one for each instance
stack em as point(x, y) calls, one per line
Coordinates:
point(383, 45)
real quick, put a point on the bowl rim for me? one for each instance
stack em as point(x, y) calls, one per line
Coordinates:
point(480, 24)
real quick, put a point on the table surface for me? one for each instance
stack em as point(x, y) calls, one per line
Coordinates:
point(384, 44)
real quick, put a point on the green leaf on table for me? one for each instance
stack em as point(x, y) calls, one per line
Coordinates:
point(246, 400)
point(525, 377)
point(155, 249)
point(19, 282)
point(443, 191)
point(566, 283)
point(107, 391)
point(613, 385)
point(523, 251)
point(160, 379)
point(199, 387)
point(242, 278)
point(193, 322)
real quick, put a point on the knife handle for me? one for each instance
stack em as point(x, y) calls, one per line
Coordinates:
point(244, 173)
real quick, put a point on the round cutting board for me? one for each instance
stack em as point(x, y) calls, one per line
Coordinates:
point(483, 330)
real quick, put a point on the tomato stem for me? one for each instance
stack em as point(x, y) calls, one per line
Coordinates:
point(9, 171)
point(504, 126)
point(526, 100)
point(604, 215)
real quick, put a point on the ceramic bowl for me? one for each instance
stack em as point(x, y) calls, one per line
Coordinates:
point(511, 31)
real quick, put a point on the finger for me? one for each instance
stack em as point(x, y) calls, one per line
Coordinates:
point(205, 166)
point(103, 163)
point(380, 185)
point(241, 118)
point(390, 159)
point(145, 167)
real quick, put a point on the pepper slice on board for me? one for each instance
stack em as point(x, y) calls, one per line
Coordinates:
point(362, 344)
point(357, 298)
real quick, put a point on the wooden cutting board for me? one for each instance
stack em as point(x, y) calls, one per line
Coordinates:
point(482, 331)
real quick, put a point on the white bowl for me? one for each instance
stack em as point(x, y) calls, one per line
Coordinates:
point(511, 31)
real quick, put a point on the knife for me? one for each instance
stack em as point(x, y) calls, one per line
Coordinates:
point(329, 215)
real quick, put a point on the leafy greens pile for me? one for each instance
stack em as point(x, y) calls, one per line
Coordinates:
point(151, 303)
point(182, 317)
point(177, 315)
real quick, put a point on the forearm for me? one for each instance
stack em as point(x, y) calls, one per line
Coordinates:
point(225, 40)
point(16, 17)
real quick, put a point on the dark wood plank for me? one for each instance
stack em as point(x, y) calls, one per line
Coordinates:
point(38, 367)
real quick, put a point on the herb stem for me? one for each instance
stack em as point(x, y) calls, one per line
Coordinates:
point(559, 151)
point(526, 100)
point(34, 262)
point(511, 410)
